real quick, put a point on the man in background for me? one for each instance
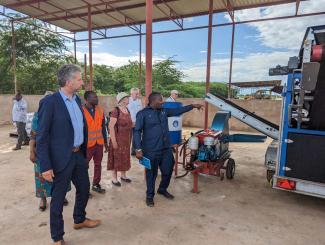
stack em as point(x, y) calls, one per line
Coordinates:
point(97, 136)
point(173, 96)
point(19, 116)
point(134, 106)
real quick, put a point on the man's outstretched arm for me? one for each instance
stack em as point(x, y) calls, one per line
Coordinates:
point(173, 112)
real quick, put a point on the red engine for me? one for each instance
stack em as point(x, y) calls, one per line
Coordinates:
point(208, 133)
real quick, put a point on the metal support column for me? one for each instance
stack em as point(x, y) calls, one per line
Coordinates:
point(140, 59)
point(75, 48)
point(207, 83)
point(13, 49)
point(149, 5)
point(231, 59)
point(85, 68)
point(90, 49)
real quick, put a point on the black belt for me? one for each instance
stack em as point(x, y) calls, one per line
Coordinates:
point(76, 149)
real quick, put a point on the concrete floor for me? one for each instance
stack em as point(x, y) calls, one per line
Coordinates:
point(244, 210)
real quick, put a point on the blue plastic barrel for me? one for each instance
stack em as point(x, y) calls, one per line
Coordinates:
point(174, 124)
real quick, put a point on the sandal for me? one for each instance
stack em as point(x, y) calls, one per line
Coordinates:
point(43, 205)
point(127, 180)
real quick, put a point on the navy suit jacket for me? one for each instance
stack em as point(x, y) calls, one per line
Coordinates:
point(55, 135)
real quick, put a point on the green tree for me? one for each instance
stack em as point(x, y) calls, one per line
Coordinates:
point(39, 53)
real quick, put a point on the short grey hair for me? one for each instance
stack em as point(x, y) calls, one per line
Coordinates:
point(66, 73)
point(134, 90)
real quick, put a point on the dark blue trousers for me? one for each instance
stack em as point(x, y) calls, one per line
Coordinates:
point(77, 172)
point(164, 160)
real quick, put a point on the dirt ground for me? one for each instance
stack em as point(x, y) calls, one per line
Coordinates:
point(244, 210)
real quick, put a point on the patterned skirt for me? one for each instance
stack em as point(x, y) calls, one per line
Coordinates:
point(43, 187)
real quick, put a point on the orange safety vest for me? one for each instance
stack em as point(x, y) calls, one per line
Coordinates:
point(94, 125)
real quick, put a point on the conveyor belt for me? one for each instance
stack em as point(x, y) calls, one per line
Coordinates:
point(260, 124)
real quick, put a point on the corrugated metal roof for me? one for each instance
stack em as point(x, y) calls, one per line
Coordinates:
point(72, 15)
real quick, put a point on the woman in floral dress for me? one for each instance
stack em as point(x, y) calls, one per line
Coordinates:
point(120, 127)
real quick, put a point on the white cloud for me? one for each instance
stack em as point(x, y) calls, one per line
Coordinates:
point(105, 58)
point(190, 19)
point(288, 33)
point(253, 67)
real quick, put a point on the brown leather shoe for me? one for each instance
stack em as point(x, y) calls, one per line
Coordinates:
point(88, 223)
point(59, 243)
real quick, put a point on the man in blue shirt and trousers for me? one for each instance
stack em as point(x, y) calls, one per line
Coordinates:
point(151, 140)
point(61, 144)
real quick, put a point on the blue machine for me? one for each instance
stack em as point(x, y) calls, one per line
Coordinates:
point(174, 124)
point(295, 159)
point(300, 164)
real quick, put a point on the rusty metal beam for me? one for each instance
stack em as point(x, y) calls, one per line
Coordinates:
point(172, 15)
point(297, 6)
point(230, 9)
point(148, 87)
point(126, 18)
point(207, 82)
point(111, 16)
point(200, 14)
point(24, 3)
point(90, 50)
point(84, 14)
point(74, 48)
point(34, 25)
point(215, 25)
point(140, 60)
point(231, 59)
point(13, 51)
point(44, 11)
point(85, 20)
point(70, 9)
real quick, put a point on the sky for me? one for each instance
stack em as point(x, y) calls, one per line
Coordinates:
point(258, 46)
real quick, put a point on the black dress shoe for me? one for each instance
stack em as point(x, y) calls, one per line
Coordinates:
point(150, 202)
point(98, 188)
point(118, 183)
point(127, 180)
point(166, 194)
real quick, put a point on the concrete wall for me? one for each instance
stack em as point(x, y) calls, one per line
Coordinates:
point(6, 102)
point(268, 109)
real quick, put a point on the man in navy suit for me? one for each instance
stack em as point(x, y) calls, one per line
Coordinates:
point(61, 143)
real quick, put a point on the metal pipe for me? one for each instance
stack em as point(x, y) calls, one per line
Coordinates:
point(13, 48)
point(231, 59)
point(149, 5)
point(207, 83)
point(90, 50)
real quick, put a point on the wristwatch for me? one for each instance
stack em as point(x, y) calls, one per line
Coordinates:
point(138, 150)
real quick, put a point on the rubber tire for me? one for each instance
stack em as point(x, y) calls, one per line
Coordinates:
point(269, 176)
point(230, 169)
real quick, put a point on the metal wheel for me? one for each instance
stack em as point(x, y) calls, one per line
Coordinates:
point(230, 169)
